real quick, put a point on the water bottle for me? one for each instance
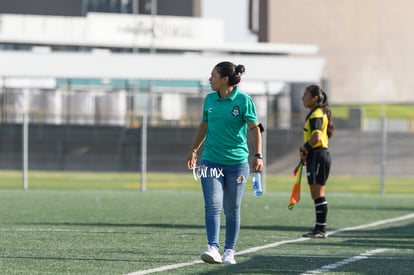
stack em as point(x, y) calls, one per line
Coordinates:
point(257, 184)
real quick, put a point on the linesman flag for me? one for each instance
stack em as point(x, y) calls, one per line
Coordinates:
point(295, 195)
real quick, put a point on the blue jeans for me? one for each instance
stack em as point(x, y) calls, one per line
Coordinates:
point(223, 187)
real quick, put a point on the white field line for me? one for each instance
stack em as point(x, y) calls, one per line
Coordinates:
point(329, 267)
point(60, 230)
point(377, 223)
point(271, 245)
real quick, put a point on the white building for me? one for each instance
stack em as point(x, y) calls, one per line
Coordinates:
point(115, 66)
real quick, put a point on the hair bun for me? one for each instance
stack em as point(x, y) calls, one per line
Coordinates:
point(240, 69)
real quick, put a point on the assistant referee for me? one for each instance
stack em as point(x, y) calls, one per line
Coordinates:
point(314, 153)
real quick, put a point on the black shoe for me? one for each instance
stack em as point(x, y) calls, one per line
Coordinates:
point(315, 233)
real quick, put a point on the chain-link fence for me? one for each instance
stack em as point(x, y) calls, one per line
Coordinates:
point(98, 129)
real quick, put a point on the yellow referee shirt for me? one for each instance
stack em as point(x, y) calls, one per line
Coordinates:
point(317, 121)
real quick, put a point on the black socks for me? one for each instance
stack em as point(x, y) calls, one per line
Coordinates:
point(321, 209)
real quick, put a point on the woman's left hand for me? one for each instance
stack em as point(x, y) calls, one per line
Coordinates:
point(257, 164)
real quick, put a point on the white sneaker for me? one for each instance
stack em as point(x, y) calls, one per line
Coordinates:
point(228, 256)
point(211, 255)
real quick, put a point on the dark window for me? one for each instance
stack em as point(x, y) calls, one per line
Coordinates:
point(42, 7)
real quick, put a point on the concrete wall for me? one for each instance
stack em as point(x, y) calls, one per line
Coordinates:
point(100, 148)
point(88, 148)
point(368, 45)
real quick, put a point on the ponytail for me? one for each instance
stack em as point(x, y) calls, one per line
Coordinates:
point(327, 110)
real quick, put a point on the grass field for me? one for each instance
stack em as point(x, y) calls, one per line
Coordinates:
point(39, 180)
point(393, 111)
point(81, 223)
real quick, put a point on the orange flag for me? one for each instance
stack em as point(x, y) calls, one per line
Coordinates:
point(295, 195)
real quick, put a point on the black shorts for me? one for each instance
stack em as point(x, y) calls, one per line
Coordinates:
point(318, 165)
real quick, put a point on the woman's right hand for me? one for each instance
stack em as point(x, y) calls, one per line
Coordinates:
point(191, 159)
point(302, 155)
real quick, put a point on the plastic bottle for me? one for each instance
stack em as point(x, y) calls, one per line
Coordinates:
point(257, 184)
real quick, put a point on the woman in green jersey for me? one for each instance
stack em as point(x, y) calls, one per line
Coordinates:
point(228, 114)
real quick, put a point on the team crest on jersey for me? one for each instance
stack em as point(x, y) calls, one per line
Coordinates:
point(236, 111)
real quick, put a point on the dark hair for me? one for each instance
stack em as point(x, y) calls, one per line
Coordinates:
point(322, 102)
point(232, 71)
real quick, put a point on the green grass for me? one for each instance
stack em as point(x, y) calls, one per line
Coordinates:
point(121, 231)
point(375, 111)
point(41, 180)
point(100, 223)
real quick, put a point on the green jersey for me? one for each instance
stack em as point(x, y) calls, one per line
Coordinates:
point(226, 138)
